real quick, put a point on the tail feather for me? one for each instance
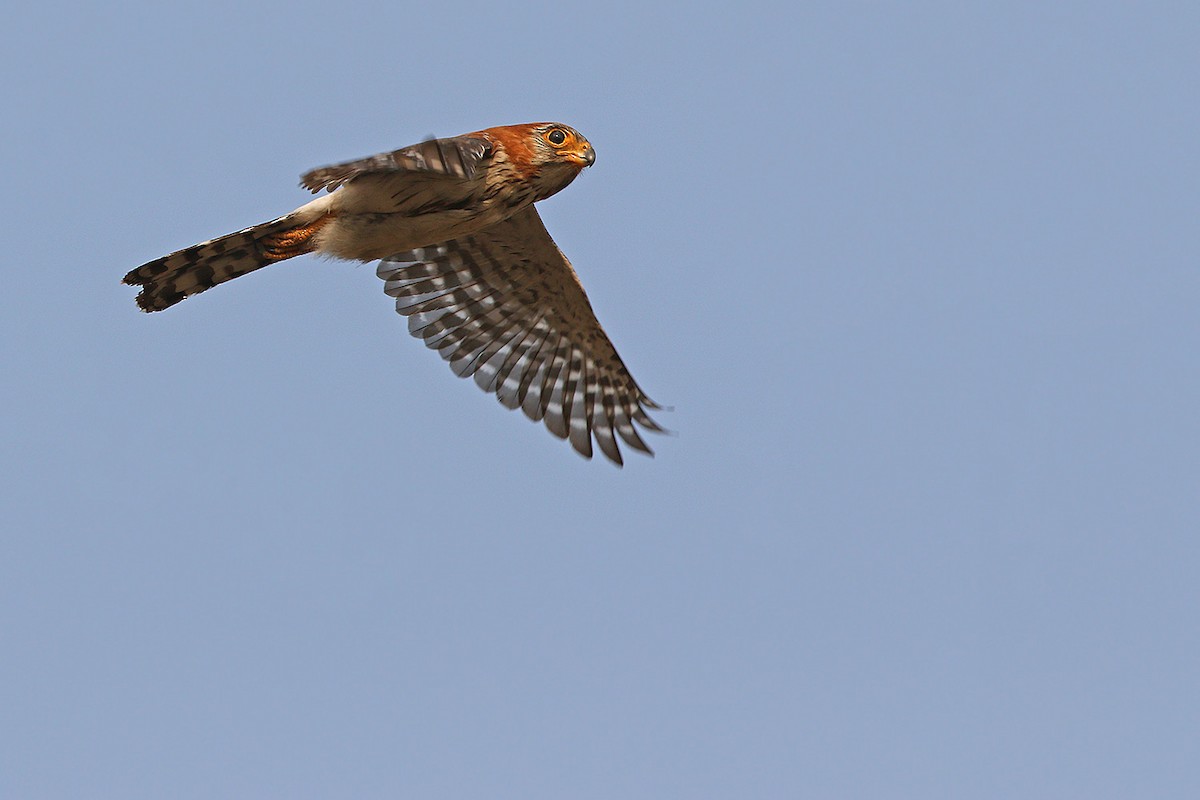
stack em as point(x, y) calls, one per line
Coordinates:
point(166, 281)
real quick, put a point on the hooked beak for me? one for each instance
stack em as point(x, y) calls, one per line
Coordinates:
point(584, 158)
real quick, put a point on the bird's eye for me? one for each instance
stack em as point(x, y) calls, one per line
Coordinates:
point(556, 136)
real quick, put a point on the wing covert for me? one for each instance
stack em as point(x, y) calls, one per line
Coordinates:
point(458, 157)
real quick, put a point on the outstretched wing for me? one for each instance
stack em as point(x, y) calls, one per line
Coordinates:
point(505, 306)
point(456, 157)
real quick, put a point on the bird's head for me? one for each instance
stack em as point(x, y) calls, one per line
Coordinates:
point(548, 154)
point(559, 143)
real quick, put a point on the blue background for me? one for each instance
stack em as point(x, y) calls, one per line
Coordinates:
point(920, 279)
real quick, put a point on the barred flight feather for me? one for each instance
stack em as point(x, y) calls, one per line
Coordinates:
point(505, 307)
point(168, 280)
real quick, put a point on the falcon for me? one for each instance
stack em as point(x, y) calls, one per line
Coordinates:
point(465, 254)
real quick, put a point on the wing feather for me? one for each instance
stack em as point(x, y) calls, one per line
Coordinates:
point(504, 306)
point(460, 157)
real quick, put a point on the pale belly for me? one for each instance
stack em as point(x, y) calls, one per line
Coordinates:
point(366, 221)
point(366, 237)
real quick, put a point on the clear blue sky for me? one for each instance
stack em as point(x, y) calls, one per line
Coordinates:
point(921, 280)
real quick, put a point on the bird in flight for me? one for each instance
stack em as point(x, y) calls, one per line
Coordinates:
point(470, 263)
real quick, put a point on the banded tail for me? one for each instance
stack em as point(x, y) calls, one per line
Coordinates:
point(167, 280)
